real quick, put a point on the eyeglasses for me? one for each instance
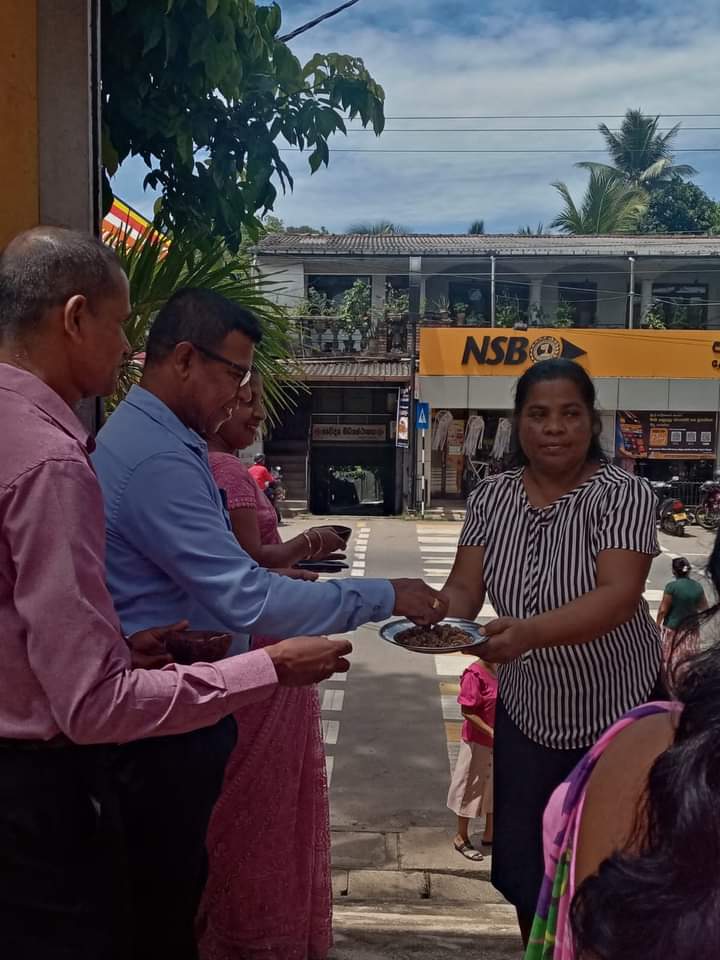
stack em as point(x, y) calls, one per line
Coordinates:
point(242, 372)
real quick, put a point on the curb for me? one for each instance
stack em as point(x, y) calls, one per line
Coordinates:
point(403, 885)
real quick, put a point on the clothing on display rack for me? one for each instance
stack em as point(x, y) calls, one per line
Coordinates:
point(440, 428)
point(502, 439)
point(474, 435)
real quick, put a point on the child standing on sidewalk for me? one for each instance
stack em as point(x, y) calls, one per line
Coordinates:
point(471, 789)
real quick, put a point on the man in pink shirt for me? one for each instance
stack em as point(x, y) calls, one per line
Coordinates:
point(68, 689)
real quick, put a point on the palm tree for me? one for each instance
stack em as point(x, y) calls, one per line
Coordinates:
point(640, 155)
point(476, 228)
point(609, 206)
point(157, 266)
point(380, 228)
point(528, 231)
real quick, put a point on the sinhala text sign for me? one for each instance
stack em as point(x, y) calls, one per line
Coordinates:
point(349, 432)
point(665, 436)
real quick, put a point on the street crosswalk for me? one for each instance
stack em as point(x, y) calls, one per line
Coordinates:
point(332, 691)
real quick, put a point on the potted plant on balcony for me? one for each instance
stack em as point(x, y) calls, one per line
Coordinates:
point(355, 316)
point(507, 312)
point(564, 315)
point(460, 310)
point(397, 309)
point(441, 309)
point(654, 318)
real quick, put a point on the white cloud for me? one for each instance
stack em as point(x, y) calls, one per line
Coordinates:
point(452, 60)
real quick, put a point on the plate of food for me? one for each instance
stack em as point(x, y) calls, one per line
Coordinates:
point(450, 635)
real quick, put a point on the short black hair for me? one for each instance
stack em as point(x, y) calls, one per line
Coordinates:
point(43, 268)
point(558, 368)
point(198, 316)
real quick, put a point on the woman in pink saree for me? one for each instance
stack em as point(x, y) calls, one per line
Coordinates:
point(268, 893)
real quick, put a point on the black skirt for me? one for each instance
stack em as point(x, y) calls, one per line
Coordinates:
point(526, 774)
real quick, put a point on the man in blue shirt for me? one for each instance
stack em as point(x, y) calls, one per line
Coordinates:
point(171, 554)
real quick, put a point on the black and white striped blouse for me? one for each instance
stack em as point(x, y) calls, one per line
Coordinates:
point(538, 559)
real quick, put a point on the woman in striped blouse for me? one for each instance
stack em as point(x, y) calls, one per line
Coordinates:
point(562, 546)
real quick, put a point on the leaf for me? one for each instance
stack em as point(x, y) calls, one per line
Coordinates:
point(211, 7)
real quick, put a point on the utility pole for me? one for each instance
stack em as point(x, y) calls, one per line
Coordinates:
point(415, 278)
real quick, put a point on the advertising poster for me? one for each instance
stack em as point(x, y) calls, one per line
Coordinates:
point(665, 436)
point(402, 430)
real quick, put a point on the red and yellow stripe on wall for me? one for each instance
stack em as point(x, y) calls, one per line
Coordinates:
point(122, 219)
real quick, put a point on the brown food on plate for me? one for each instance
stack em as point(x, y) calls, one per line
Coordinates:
point(197, 646)
point(441, 635)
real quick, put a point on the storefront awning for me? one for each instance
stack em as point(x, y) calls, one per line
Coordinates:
point(355, 371)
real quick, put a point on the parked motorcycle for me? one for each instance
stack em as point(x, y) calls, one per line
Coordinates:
point(671, 513)
point(708, 512)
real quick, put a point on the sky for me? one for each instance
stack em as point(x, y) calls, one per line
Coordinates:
point(489, 58)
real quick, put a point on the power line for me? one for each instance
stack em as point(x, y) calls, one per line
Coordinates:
point(475, 150)
point(551, 116)
point(505, 130)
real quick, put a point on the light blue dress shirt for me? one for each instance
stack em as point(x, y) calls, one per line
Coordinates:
point(171, 553)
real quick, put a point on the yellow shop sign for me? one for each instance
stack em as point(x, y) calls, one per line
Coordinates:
point(497, 352)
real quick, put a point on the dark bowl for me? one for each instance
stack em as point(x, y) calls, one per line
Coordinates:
point(474, 631)
point(197, 646)
point(342, 532)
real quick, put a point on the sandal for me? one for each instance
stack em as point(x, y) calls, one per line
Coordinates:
point(468, 851)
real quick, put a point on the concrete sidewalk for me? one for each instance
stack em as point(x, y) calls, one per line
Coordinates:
point(408, 894)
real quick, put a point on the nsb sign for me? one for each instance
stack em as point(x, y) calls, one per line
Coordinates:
point(513, 351)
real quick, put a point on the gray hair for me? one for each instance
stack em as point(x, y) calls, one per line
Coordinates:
point(43, 268)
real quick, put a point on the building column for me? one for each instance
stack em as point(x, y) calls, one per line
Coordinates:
point(377, 305)
point(646, 298)
point(535, 298)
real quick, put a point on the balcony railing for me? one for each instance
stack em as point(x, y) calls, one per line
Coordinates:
point(336, 337)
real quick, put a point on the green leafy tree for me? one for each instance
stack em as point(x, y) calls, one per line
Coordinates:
point(203, 90)
point(608, 206)
point(380, 228)
point(476, 228)
point(640, 155)
point(156, 269)
point(680, 207)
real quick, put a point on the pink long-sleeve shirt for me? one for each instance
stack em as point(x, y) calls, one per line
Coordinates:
point(64, 664)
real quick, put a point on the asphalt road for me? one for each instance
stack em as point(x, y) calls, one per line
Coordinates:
point(392, 725)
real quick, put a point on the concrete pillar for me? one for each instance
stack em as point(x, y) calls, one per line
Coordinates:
point(49, 78)
point(69, 113)
point(535, 298)
point(378, 297)
point(646, 298)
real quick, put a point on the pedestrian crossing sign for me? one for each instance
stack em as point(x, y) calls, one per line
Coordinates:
point(422, 415)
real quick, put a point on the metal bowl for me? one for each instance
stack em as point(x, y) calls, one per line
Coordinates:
point(389, 632)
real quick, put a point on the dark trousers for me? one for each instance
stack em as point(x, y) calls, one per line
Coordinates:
point(167, 788)
point(59, 889)
point(525, 776)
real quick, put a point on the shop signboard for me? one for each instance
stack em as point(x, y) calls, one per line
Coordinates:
point(349, 432)
point(402, 429)
point(665, 436)
point(470, 352)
